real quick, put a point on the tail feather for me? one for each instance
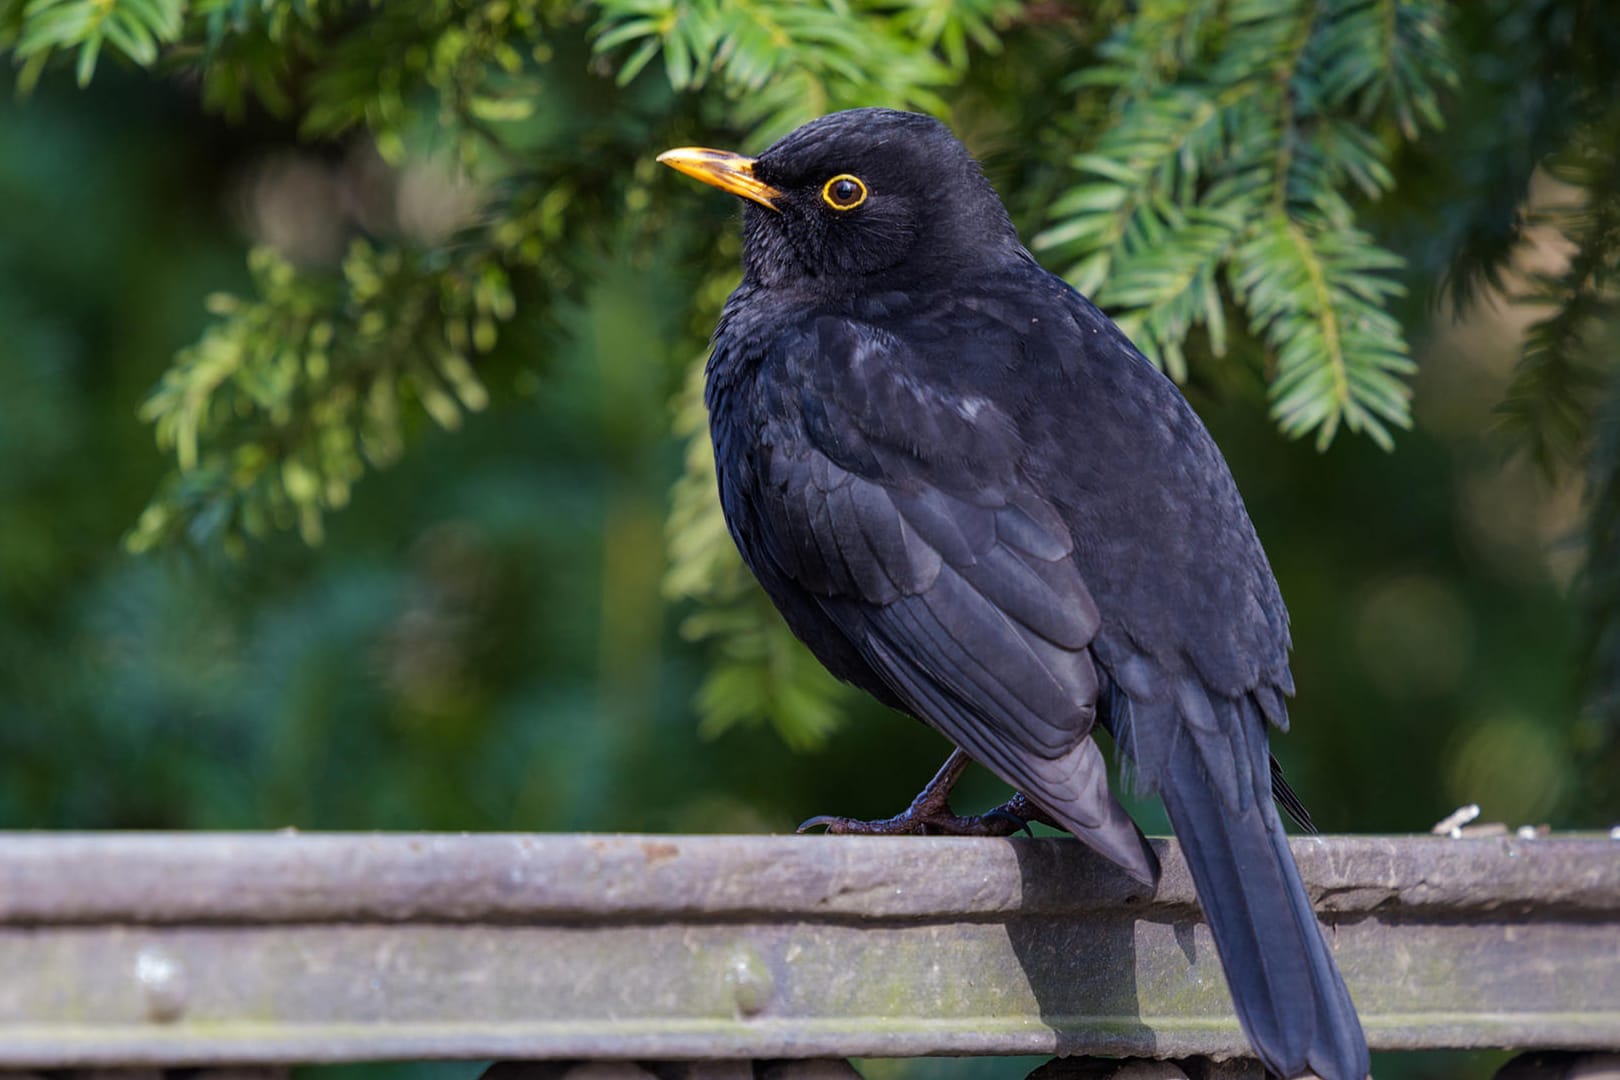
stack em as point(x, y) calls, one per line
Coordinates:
point(1288, 993)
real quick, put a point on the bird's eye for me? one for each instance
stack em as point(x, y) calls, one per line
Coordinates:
point(843, 192)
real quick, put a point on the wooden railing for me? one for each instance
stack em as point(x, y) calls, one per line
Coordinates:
point(192, 950)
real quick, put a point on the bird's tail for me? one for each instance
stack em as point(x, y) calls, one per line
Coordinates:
point(1288, 993)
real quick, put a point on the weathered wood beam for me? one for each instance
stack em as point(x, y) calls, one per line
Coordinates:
point(263, 948)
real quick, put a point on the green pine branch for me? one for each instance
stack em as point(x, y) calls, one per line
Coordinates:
point(1567, 361)
point(1318, 294)
point(1401, 75)
point(782, 62)
point(1169, 287)
point(1548, 80)
point(1242, 151)
point(1135, 174)
point(285, 401)
point(38, 30)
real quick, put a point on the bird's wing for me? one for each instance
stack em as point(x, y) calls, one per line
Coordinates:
point(901, 508)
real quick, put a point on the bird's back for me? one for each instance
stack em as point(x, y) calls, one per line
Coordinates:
point(1161, 534)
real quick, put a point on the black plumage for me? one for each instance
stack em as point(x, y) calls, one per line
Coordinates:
point(970, 495)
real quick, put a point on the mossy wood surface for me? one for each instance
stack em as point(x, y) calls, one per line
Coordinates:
point(196, 949)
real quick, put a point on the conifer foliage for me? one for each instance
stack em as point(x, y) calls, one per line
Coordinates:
point(1208, 170)
point(1242, 133)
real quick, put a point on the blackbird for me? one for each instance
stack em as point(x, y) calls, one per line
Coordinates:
point(971, 496)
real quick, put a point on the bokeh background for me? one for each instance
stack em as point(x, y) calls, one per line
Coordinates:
point(485, 636)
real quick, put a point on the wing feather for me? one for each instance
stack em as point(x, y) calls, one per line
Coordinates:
point(950, 575)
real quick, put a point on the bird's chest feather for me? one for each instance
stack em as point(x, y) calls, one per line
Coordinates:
point(756, 423)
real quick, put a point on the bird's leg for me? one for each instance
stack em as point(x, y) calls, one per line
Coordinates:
point(930, 812)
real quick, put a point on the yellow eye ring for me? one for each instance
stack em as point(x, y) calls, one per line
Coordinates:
point(843, 192)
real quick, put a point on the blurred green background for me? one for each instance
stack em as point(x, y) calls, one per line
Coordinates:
point(483, 637)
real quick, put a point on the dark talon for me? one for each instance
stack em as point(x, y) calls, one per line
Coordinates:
point(908, 823)
point(824, 820)
point(1002, 816)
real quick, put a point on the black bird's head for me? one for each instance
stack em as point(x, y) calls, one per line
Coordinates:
point(857, 196)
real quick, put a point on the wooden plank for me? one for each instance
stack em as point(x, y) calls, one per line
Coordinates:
point(263, 948)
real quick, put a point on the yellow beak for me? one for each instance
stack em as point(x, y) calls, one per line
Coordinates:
point(724, 170)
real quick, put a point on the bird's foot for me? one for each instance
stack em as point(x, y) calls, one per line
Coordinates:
point(931, 821)
point(1024, 811)
point(930, 813)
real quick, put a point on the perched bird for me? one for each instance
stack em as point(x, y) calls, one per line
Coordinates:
point(970, 495)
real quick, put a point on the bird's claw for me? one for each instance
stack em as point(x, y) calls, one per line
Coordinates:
point(899, 825)
point(1002, 816)
point(939, 821)
point(831, 823)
